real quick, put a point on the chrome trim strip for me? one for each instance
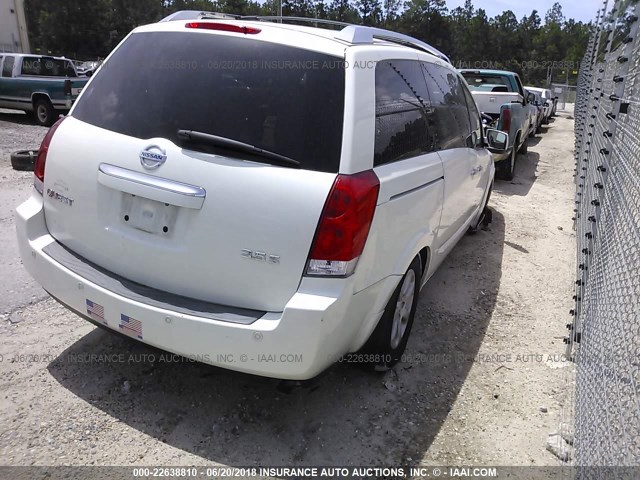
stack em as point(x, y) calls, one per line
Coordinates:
point(152, 181)
point(419, 187)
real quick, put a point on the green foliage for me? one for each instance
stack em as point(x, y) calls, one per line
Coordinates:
point(537, 50)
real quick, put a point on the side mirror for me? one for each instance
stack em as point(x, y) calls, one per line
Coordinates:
point(546, 104)
point(497, 141)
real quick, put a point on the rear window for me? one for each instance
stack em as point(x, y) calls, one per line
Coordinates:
point(282, 99)
point(487, 82)
point(47, 67)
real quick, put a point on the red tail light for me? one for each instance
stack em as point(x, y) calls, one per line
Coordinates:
point(344, 224)
point(224, 27)
point(506, 120)
point(41, 159)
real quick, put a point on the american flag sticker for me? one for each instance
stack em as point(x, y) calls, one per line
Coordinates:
point(96, 311)
point(130, 326)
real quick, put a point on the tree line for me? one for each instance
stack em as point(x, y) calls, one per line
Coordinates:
point(532, 46)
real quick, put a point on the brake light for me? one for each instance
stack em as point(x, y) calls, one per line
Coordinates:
point(67, 87)
point(506, 120)
point(224, 27)
point(344, 225)
point(41, 159)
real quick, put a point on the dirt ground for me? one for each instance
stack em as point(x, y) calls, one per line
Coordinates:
point(481, 387)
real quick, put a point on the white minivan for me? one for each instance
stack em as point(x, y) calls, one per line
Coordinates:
point(259, 196)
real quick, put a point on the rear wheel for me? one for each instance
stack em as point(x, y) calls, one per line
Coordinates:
point(506, 169)
point(389, 340)
point(45, 114)
point(524, 147)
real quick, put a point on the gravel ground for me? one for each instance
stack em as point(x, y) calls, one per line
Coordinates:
point(481, 388)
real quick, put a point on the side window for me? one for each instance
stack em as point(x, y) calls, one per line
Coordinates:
point(31, 66)
point(7, 67)
point(452, 127)
point(474, 117)
point(521, 90)
point(402, 106)
point(69, 70)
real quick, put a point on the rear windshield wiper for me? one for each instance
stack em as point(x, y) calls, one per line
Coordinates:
point(228, 143)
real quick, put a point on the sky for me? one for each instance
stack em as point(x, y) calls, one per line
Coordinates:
point(579, 10)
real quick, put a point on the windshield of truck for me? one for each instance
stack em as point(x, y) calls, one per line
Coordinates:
point(487, 82)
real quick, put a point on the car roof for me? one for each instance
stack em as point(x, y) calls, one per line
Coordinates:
point(323, 40)
point(303, 37)
point(539, 89)
point(33, 55)
point(486, 72)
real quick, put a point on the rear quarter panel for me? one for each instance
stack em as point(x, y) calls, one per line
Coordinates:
point(410, 200)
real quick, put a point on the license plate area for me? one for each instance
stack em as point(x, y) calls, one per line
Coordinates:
point(148, 215)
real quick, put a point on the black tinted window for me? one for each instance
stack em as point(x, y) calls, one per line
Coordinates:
point(7, 66)
point(452, 126)
point(47, 67)
point(402, 106)
point(282, 99)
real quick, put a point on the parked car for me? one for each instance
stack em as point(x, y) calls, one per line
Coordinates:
point(500, 94)
point(87, 69)
point(534, 100)
point(39, 85)
point(548, 102)
point(270, 224)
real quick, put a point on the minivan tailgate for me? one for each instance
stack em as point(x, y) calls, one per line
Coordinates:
point(203, 226)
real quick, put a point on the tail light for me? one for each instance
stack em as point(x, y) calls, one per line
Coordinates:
point(506, 120)
point(223, 27)
point(344, 225)
point(67, 87)
point(41, 159)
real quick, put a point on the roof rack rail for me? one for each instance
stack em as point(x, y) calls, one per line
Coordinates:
point(355, 34)
point(359, 34)
point(271, 18)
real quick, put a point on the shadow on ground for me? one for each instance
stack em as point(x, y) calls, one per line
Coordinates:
point(16, 116)
point(525, 176)
point(347, 417)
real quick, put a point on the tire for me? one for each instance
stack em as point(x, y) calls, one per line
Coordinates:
point(44, 112)
point(24, 160)
point(486, 217)
point(389, 340)
point(506, 169)
point(524, 147)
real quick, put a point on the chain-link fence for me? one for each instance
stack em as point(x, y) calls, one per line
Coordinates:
point(605, 332)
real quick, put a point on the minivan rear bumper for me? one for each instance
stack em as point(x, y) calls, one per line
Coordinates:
point(321, 322)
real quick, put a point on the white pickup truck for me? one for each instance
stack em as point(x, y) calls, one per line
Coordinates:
point(500, 95)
